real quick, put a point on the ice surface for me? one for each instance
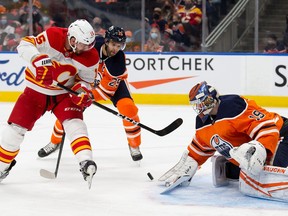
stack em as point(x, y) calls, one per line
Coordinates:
point(120, 187)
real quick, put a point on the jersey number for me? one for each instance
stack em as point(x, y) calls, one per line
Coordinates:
point(40, 39)
point(257, 115)
point(114, 82)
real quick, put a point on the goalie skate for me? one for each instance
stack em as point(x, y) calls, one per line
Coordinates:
point(173, 185)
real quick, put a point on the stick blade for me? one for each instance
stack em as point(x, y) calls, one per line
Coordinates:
point(47, 174)
point(173, 126)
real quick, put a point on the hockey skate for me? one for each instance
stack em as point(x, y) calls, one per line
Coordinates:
point(88, 169)
point(135, 153)
point(5, 173)
point(48, 149)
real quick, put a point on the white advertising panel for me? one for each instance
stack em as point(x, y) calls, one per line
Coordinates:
point(176, 73)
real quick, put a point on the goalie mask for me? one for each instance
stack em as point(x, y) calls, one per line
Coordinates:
point(203, 98)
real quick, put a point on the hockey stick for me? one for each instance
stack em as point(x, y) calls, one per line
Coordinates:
point(171, 127)
point(53, 175)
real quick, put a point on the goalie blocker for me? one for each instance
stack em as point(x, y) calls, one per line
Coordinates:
point(271, 183)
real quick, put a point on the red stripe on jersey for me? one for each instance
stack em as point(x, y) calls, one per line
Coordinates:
point(80, 144)
point(7, 156)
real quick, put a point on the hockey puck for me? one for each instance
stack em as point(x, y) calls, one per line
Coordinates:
point(150, 176)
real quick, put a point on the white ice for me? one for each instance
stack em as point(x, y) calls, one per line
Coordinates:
point(120, 187)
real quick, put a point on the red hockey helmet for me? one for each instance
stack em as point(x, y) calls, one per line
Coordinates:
point(203, 98)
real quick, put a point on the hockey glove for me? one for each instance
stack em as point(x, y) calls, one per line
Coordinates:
point(44, 69)
point(251, 156)
point(84, 97)
point(185, 169)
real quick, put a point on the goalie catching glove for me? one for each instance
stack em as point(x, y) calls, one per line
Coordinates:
point(251, 156)
point(44, 69)
point(84, 97)
point(185, 168)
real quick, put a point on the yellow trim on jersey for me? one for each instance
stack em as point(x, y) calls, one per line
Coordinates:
point(170, 99)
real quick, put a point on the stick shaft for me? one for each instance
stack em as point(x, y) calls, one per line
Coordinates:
point(174, 125)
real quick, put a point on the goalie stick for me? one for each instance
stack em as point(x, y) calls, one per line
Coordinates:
point(168, 129)
point(53, 175)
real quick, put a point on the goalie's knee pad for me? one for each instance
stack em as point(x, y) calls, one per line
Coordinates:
point(223, 171)
point(75, 128)
point(12, 137)
point(251, 156)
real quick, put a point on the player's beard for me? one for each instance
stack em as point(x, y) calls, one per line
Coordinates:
point(109, 52)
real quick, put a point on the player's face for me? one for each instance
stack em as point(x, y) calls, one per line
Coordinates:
point(80, 47)
point(113, 48)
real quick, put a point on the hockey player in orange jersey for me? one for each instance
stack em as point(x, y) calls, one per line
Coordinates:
point(250, 142)
point(110, 84)
point(66, 56)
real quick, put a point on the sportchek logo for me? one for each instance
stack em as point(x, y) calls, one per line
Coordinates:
point(150, 83)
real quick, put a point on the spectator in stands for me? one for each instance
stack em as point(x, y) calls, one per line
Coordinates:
point(158, 21)
point(97, 25)
point(273, 45)
point(169, 44)
point(137, 33)
point(129, 41)
point(36, 16)
point(179, 35)
point(13, 14)
point(191, 18)
point(136, 47)
point(154, 41)
point(3, 23)
point(2, 9)
point(168, 10)
point(10, 43)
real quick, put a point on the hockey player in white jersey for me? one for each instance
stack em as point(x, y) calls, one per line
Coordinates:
point(57, 55)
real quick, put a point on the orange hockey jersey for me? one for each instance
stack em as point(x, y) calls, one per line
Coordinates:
point(110, 72)
point(238, 121)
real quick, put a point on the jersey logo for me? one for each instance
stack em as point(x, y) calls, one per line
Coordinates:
point(222, 146)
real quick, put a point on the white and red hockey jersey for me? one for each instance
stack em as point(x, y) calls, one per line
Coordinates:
point(66, 65)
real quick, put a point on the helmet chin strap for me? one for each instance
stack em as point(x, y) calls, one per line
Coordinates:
point(73, 48)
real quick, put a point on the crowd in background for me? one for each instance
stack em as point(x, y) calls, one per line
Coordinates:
point(170, 25)
point(275, 45)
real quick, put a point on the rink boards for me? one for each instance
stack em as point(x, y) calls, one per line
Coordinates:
point(166, 78)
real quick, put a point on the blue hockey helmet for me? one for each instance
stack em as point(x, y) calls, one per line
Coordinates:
point(203, 98)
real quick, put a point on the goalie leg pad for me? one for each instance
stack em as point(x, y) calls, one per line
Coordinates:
point(280, 158)
point(223, 171)
point(271, 183)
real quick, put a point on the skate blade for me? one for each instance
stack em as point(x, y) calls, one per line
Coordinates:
point(91, 170)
